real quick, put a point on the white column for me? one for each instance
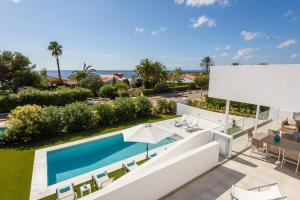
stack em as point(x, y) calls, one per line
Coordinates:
point(256, 118)
point(227, 116)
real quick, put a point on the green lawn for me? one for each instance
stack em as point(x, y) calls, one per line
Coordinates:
point(16, 162)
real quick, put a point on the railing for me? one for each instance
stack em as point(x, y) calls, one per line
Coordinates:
point(238, 126)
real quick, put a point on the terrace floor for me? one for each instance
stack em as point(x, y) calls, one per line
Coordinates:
point(245, 171)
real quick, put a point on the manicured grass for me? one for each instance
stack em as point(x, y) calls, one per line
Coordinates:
point(16, 161)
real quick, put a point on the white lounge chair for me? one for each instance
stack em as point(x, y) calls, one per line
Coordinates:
point(101, 180)
point(66, 193)
point(181, 122)
point(129, 166)
point(266, 192)
point(193, 125)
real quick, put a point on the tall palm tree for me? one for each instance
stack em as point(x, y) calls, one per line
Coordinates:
point(206, 62)
point(87, 70)
point(56, 50)
point(160, 73)
point(144, 70)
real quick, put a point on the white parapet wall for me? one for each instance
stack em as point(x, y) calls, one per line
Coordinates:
point(201, 113)
point(188, 159)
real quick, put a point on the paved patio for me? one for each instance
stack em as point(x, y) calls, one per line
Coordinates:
point(245, 171)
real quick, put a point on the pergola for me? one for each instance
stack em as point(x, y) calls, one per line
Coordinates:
point(275, 86)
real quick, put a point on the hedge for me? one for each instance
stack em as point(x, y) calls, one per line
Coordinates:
point(57, 97)
point(33, 122)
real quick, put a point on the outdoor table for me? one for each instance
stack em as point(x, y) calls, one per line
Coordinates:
point(84, 188)
point(284, 143)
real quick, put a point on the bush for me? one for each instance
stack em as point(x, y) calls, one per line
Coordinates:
point(105, 112)
point(122, 93)
point(92, 82)
point(165, 107)
point(51, 121)
point(23, 123)
point(202, 81)
point(124, 110)
point(148, 92)
point(143, 106)
point(59, 97)
point(161, 88)
point(181, 88)
point(108, 91)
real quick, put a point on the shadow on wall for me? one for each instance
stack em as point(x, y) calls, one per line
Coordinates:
point(209, 186)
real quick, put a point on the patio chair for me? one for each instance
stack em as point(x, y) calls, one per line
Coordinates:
point(250, 136)
point(266, 192)
point(273, 132)
point(290, 125)
point(192, 124)
point(181, 122)
point(66, 193)
point(257, 146)
point(129, 166)
point(101, 180)
point(291, 157)
point(272, 151)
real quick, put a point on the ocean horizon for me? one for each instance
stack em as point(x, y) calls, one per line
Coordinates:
point(127, 73)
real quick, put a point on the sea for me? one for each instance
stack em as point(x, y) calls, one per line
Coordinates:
point(127, 73)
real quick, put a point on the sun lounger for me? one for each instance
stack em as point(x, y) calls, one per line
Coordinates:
point(153, 155)
point(266, 192)
point(66, 193)
point(181, 122)
point(129, 166)
point(101, 180)
point(192, 126)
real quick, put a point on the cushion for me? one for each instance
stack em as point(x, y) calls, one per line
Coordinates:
point(290, 127)
point(130, 164)
point(101, 175)
point(64, 189)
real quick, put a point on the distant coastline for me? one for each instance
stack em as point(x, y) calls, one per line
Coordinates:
point(127, 73)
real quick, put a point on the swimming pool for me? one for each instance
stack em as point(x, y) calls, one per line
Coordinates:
point(79, 159)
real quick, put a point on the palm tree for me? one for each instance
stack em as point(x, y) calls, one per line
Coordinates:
point(144, 70)
point(160, 73)
point(206, 62)
point(56, 50)
point(177, 74)
point(87, 70)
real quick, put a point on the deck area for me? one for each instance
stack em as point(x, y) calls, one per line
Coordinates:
point(244, 170)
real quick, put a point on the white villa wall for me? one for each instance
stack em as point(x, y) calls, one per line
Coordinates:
point(165, 177)
point(201, 113)
point(270, 85)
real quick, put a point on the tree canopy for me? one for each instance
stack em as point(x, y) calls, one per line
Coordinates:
point(207, 62)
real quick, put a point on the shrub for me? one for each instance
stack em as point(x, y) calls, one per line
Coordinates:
point(202, 81)
point(108, 91)
point(122, 93)
point(92, 82)
point(161, 88)
point(23, 123)
point(105, 112)
point(51, 121)
point(143, 106)
point(181, 87)
point(59, 97)
point(148, 92)
point(165, 107)
point(124, 110)
point(79, 116)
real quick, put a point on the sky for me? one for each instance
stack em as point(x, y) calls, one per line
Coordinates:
point(117, 34)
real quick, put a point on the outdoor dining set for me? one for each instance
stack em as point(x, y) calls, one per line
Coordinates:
point(283, 144)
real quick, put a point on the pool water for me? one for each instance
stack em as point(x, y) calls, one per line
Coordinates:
point(79, 159)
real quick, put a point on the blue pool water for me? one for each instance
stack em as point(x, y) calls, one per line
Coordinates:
point(69, 162)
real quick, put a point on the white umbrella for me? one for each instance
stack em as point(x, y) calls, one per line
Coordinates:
point(146, 133)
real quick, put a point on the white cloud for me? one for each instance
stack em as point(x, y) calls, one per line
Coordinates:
point(157, 32)
point(199, 3)
point(139, 29)
point(248, 36)
point(16, 1)
point(295, 55)
point(224, 54)
point(243, 54)
point(203, 20)
point(288, 13)
point(227, 47)
point(286, 44)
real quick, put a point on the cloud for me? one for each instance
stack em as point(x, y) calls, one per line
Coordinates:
point(295, 55)
point(199, 3)
point(227, 47)
point(224, 54)
point(287, 13)
point(203, 20)
point(287, 43)
point(157, 32)
point(16, 1)
point(243, 54)
point(248, 36)
point(139, 29)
